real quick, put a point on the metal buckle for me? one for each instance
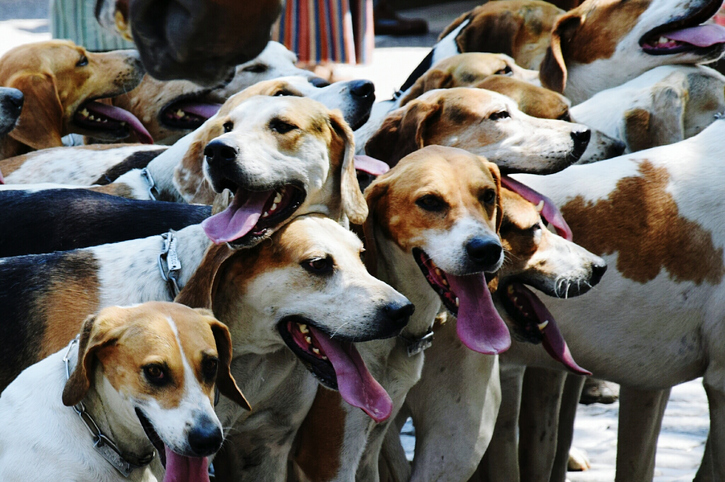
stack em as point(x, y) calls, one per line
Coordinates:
point(418, 345)
point(150, 181)
point(173, 263)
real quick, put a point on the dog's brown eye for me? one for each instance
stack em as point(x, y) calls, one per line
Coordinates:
point(255, 69)
point(432, 203)
point(499, 115)
point(505, 71)
point(281, 127)
point(536, 227)
point(82, 62)
point(488, 197)
point(155, 374)
point(228, 126)
point(318, 265)
point(209, 368)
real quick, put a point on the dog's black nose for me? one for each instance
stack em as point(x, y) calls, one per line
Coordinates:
point(205, 438)
point(362, 88)
point(598, 270)
point(12, 100)
point(486, 252)
point(218, 151)
point(398, 313)
point(581, 140)
point(319, 82)
point(617, 148)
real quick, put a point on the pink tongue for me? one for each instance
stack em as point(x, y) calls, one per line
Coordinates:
point(550, 212)
point(121, 115)
point(355, 383)
point(553, 340)
point(700, 36)
point(185, 469)
point(237, 219)
point(479, 325)
point(200, 109)
point(370, 165)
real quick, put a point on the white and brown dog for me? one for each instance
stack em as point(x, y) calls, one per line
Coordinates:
point(142, 378)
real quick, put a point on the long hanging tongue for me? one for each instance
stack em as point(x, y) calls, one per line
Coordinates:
point(355, 383)
point(121, 115)
point(199, 109)
point(549, 212)
point(700, 36)
point(237, 219)
point(479, 325)
point(553, 340)
point(185, 469)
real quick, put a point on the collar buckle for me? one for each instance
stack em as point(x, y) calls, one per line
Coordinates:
point(170, 274)
point(150, 181)
point(418, 345)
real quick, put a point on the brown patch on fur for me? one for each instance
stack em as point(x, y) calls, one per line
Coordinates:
point(115, 189)
point(641, 222)
point(532, 100)
point(12, 164)
point(320, 437)
point(518, 28)
point(637, 130)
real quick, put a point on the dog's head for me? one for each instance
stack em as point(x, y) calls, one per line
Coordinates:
point(604, 43)
point(308, 289)
point(61, 81)
point(281, 157)
point(467, 70)
point(157, 365)
point(536, 257)
point(435, 216)
point(483, 122)
point(519, 28)
point(11, 104)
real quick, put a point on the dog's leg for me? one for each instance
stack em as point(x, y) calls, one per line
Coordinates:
point(501, 461)
point(715, 389)
point(640, 419)
point(454, 408)
point(538, 422)
point(705, 472)
point(567, 414)
point(394, 466)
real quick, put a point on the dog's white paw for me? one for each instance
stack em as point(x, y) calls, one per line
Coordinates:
point(578, 460)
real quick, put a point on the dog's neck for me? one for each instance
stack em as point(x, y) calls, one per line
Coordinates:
point(161, 170)
point(9, 147)
point(399, 270)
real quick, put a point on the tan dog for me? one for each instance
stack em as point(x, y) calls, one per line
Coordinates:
point(482, 122)
point(604, 43)
point(146, 375)
point(61, 81)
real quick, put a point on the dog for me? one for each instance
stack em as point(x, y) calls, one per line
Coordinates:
point(602, 44)
point(146, 376)
point(170, 110)
point(11, 104)
point(461, 431)
point(302, 324)
point(662, 106)
point(61, 82)
point(199, 40)
point(483, 122)
point(65, 219)
point(431, 233)
point(683, 294)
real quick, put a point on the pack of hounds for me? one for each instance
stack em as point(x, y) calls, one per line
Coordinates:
point(268, 277)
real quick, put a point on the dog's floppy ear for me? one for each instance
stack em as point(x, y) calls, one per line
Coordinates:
point(189, 173)
point(351, 198)
point(403, 131)
point(96, 333)
point(433, 79)
point(661, 124)
point(552, 72)
point(224, 379)
point(496, 173)
point(41, 119)
point(200, 289)
point(373, 194)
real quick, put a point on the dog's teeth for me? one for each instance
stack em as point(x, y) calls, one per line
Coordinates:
point(663, 40)
point(540, 206)
point(458, 303)
point(323, 357)
point(308, 340)
point(515, 299)
point(303, 328)
point(438, 272)
point(444, 281)
point(123, 123)
point(543, 325)
point(278, 198)
point(315, 351)
point(84, 112)
point(273, 208)
point(104, 120)
point(91, 117)
point(510, 289)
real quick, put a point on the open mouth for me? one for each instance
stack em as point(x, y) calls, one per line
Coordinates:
point(337, 365)
point(479, 325)
point(533, 323)
point(253, 215)
point(107, 121)
point(686, 34)
point(179, 468)
point(187, 113)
